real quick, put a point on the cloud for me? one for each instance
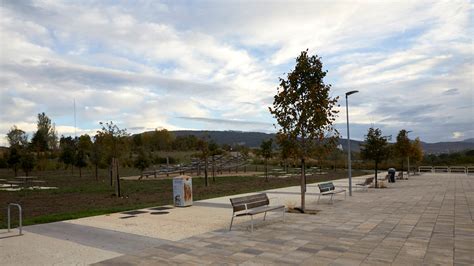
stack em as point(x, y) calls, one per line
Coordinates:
point(451, 92)
point(457, 135)
point(217, 64)
point(233, 124)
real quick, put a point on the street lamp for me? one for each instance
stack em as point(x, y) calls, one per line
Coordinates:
point(349, 143)
point(408, 170)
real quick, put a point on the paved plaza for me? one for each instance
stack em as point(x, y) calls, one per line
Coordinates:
point(427, 219)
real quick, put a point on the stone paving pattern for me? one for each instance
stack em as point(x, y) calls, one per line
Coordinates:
point(425, 220)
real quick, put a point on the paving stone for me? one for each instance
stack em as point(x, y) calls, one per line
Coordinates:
point(424, 220)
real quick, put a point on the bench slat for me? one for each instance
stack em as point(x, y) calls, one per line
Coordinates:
point(248, 202)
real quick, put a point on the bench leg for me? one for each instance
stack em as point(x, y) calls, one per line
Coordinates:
point(331, 198)
point(264, 216)
point(231, 221)
point(318, 198)
point(283, 214)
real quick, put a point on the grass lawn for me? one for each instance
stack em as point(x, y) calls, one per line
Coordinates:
point(82, 197)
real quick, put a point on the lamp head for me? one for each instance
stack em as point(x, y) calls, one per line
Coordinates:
point(351, 92)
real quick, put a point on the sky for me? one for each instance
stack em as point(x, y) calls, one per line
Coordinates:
point(215, 65)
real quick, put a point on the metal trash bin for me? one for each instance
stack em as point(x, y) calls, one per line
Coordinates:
point(391, 175)
point(182, 191)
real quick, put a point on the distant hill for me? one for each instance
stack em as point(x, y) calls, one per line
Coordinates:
point(254, 139)
point(446, 147)
point(250, 139)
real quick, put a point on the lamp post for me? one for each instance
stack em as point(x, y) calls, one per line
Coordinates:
point(408, 159)
point(349, 166)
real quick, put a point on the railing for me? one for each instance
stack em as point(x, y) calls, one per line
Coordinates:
point(424, 169)
point(469, 170)
point(20, 216)
point(457, 169)
point(446, 169)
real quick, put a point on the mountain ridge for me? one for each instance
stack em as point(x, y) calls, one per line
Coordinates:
point(254, 139)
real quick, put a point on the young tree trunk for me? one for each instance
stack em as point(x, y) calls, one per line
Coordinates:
point(117, 178)
point(401, 171)
point(213, 170)
point(266, 170)
point(96, 172)
point(205, 172)
point(111, 175)
point(303, 184)
point(376, 168)
point(80, 172)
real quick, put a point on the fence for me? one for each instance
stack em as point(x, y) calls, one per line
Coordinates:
point(446, 169)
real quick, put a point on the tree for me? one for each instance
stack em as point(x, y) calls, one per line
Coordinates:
point(27, 162)
point(375, 147)
point(141, 162)
point(14, 158)
point(18, 141)
point(402, 147)
point(84, 143)
point(185, 143)
point(161, 139)
point(304, 110)
point(320, 148)
point(81, 160)
point(286, 149)
point(336, 154)
point(266, 152)
point(96, 155)
point(45, 138)
point(416, 151)
point(213, 151)
point(67, 146)
point(203, 146)
point(113, 139)
point(17, 137)
point(84, 149)
point(114, 142)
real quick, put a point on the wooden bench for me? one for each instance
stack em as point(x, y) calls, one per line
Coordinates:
point(328, 189)
point(252, 205)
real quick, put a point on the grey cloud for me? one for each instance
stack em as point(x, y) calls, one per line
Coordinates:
point(233, 123)
point(136, 128)
point(227, 121)
point(451, 92)
point(106, 78)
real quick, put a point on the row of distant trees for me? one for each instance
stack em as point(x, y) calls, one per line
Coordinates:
point(45, 148)
point(26, 154)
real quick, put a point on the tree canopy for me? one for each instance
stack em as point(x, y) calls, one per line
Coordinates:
point(375, 148)
point(45, 138)
point(17, 137)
